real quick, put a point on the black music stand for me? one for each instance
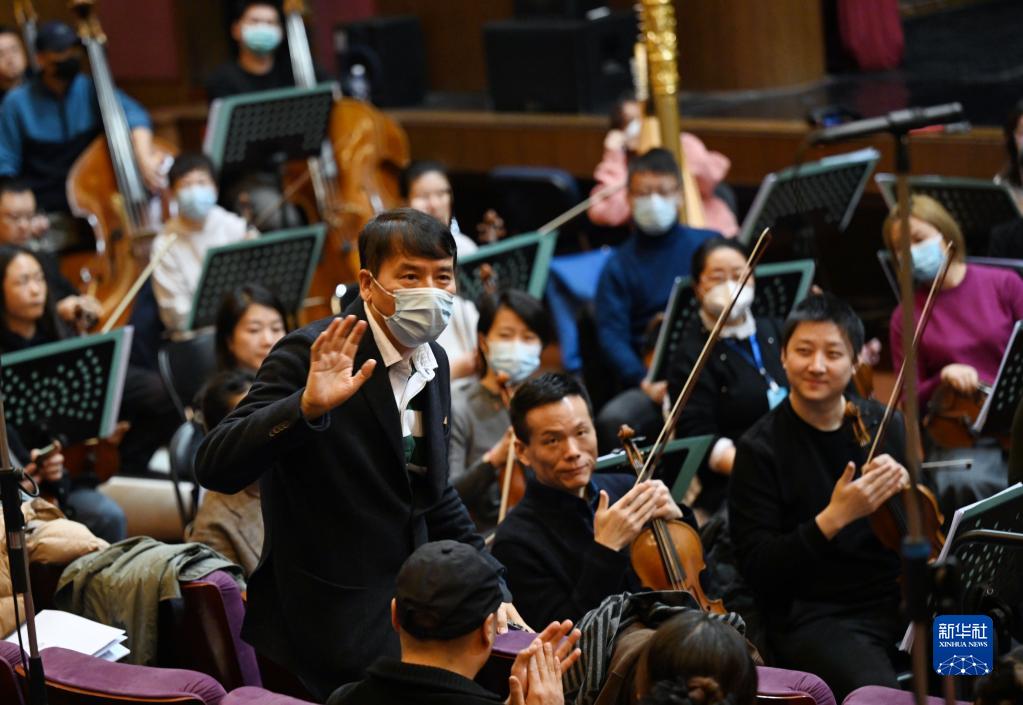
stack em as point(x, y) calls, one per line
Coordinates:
point(995, 417)
point(247, 132)
point(518, 262)
point(789, 200)
point(779, 287)
point(978, 205)
point(70, 389)
point(283, 262)
point(681, 459)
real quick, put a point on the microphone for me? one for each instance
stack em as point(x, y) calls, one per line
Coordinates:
point(895, 122)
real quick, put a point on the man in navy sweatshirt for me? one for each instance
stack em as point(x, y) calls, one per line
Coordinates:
point(634, 287)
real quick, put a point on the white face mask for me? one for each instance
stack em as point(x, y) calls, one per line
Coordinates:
point(420, 314)
point(717, 297)
point(655, 214)
point(515, 358)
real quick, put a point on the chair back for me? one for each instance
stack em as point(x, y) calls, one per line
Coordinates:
point(182, 449)
point(10, 685)
point(494, 674)
point(185, 365)
point(259, 696)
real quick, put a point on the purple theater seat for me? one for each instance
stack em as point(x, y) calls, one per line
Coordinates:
point(70, 671)
point(880, 695)
point(250, 695)
point(783, 682)
point(494, 674)
point(10, 685)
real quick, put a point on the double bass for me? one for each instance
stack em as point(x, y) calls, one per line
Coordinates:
point(105, 185)
point(356, 179)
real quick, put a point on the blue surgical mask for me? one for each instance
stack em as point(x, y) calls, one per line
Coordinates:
point(655, 214)
point(261, 38)
point(196, 202)
point(420, 314)
point(928, 256)
point(515, 358)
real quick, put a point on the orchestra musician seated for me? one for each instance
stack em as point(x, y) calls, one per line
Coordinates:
point(200, 224)
point(13, 61)
point(250, 321)
point(634, 288)
point(445, 613)
point(743, 378)
point(20, 224)
point(566, 544)
point(798, 504)
point(962, 347)
point(513, 330)
point(48, 121)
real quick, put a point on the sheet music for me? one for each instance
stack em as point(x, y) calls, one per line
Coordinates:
point(69, 631)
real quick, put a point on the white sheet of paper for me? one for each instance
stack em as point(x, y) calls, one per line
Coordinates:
point(69, 631)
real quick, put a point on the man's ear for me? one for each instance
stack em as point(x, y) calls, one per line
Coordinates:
point(236, 31)
point(522, 452)
point(394, 615)
point(365, 285)
point(489, 629)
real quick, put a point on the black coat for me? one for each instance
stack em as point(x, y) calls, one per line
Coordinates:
point(341, 512)
point(390, 682)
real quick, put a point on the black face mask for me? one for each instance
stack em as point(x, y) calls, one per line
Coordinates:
point(68, 68)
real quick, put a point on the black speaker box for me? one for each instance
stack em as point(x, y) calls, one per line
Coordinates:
point(392, 50)
point(558, 65)
point(556, 8)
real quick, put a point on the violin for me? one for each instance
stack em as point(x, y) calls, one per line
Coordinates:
point(952, 416)
point(669, 554)
point(105, 185)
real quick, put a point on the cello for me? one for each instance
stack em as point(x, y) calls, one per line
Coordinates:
point(356, 179)
point(105, 185)
point(669, 555)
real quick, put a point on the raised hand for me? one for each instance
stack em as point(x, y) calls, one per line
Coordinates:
point(332, 379)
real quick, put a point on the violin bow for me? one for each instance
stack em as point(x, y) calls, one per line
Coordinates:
point(653, 457)
point(509, 464)
point(925, 315)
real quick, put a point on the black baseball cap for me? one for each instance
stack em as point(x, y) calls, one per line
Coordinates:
point(445, 590)
point(55, 36)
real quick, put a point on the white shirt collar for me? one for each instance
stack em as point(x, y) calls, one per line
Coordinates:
point(422, 357)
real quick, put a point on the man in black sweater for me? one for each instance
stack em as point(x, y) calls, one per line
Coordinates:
point(565, 545)
point(444, 611)
point(798, 512)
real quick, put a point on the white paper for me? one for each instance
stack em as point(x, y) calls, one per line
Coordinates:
point(69, 631)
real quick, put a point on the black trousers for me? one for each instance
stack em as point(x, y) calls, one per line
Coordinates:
point(847, 646)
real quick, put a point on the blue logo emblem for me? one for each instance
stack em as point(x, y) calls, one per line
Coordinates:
point(964, 645)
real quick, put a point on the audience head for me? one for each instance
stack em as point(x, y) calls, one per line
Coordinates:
point(627, 116)
point(445, 604)
point(221, 394)
point(193, 180)
point(17, 212)
point(821, 341)
point(1012, 129)
point(717, 268)
point(25, 300)
point(57, 52)
point(250, 321)
point(930, 227)
point(513, 329)
point(554, 433)
point(13, 60)
point(258, 26)
point(407, 278)
point(655, 191)
point(425, 186)
point(694, 659)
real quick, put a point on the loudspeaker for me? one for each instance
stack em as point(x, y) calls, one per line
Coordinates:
point(561, 66)
point(392, 50)
point(576, 9)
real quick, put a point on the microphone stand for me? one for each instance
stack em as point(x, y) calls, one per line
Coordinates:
point(14, 522)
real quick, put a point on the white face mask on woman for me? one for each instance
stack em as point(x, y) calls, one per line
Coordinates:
point(717, 297)
point(516, 358)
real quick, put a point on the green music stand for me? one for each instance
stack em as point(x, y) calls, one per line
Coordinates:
point(681, 459)
point(71, 388)
point(283, 262)
point(978, 205)
point(518, 262)
point(779, 287)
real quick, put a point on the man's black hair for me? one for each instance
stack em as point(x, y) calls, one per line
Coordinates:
point(548, 388)
point(826, 308)
point(415, 170)
point(217, 395)
point(530, 309)
point(702, 252)
point(13, 184)
point(240, 6)
point(9, 29)
point(656, 161)
point(187, 162)
point(404, 231)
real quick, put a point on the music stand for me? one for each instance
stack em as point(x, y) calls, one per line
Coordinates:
point(681, 459)
point(832, 185)
point(978, 205)
point(995, 417)
point(283, 262)
point(72, 387)
point(519, 262)
point(779, 287)
point(250, 130)
point(884, 258)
